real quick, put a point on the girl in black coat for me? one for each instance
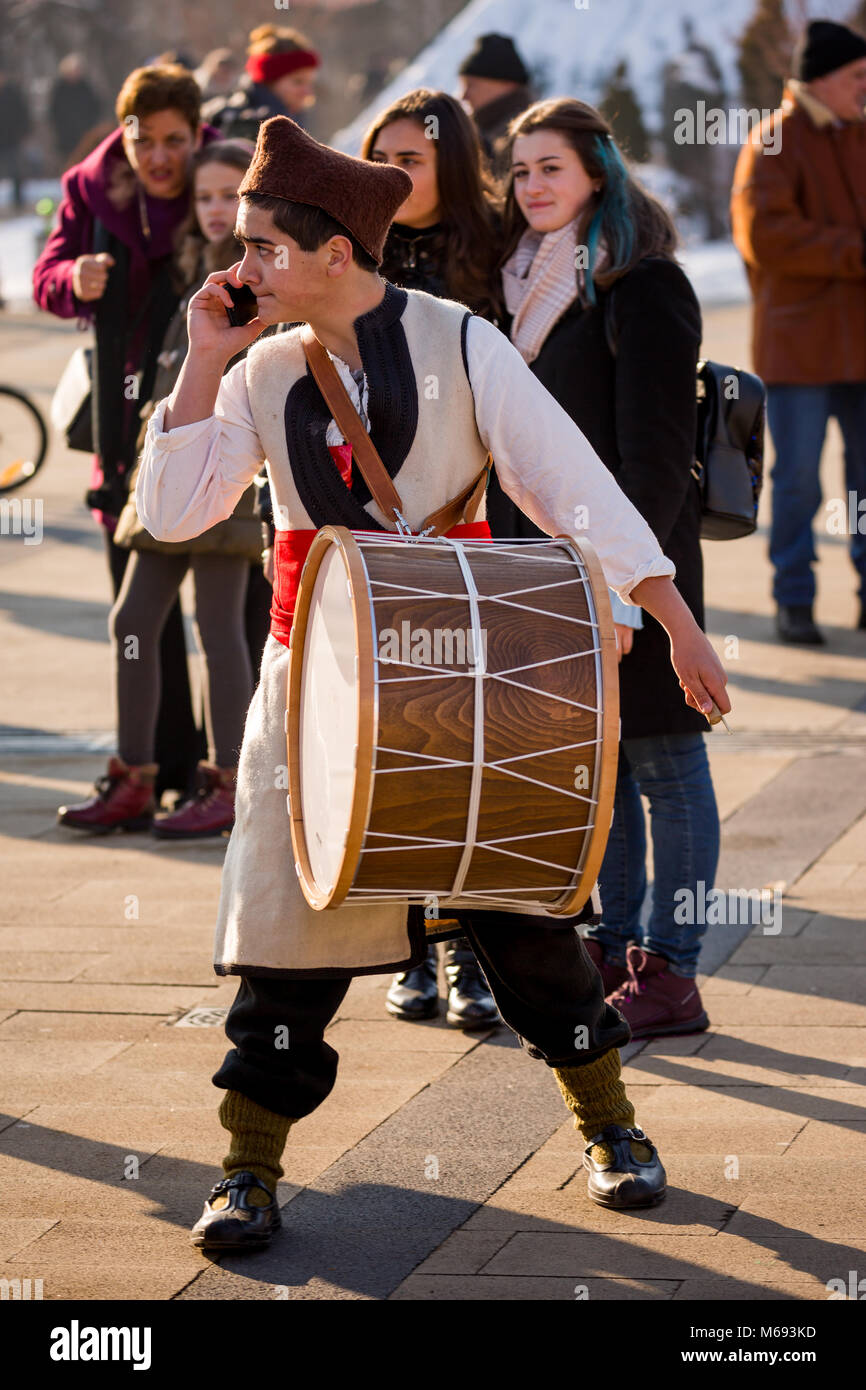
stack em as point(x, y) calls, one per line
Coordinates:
point(444, 241)
point(610, 324)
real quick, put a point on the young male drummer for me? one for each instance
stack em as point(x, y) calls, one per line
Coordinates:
point(437, 388)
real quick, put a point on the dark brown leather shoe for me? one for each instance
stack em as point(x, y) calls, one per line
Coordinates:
point(624, 1182)
point(235, 1224)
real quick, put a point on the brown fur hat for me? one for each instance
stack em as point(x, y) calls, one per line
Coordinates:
point(289, 163)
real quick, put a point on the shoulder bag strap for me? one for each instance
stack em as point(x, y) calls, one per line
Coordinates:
point(348, 421)
point(458, 509)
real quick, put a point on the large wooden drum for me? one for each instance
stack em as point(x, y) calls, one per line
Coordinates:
point(452, 722)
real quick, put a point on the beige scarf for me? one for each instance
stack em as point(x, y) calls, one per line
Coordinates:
point(540, 281)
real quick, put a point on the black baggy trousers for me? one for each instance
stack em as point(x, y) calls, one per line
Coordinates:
point(546, 987)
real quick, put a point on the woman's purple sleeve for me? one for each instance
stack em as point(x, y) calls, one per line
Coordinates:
point(70, 238)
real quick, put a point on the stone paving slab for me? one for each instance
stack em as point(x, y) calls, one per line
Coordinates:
point(762, 1056)
point(46, 965)
point(842, 1142)
point(17, 1233)
point(33, 1024)
point(734, 1104)
point(435, 1288)
point(660, 1256)
point(89, 998)
point(44, 1057)
point(538, 1209)
point(106, 1088)
point(104, 1281)
point(57, 937)
point(776, 1287)
point(777, 1007)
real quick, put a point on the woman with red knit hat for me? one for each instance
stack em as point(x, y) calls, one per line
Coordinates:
point(279, 80)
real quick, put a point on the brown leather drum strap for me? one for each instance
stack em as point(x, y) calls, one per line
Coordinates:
point(462, 508)
point(348, 422)
point(366, 455)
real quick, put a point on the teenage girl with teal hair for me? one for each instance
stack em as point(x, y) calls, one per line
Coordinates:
point(607, 320)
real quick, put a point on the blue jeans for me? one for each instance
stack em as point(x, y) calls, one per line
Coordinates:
point(673, 772)
point(797, 416)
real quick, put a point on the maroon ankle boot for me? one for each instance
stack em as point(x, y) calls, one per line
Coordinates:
point(124, 800)
point(654, 1001)
point(210, 812)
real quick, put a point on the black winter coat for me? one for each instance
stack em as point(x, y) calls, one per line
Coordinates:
point(638, 410)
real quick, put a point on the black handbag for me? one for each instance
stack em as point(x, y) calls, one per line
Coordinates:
point(729, 443)
point(729, 450)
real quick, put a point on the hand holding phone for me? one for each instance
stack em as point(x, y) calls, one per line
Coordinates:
point(222, 318)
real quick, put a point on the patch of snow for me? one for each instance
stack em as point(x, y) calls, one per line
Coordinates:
point(716, 272)
point(574, 47)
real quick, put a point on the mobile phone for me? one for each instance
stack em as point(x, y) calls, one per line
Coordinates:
point(244, 306)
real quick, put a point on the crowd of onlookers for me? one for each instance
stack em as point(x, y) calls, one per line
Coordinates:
point(505, 195)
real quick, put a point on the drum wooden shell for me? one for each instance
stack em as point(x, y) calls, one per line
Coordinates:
point(475, 773)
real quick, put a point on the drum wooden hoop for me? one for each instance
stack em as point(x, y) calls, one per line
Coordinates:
point(356, 575)
point(357, 579)
point(609, 696)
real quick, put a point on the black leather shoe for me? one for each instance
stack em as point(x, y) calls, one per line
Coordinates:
point(794, 623)
point(470, 1003)
point(237, 1225)
point(625, 1182)
point(415, 993)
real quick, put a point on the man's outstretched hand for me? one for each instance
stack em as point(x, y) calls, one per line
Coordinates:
point(700, 673)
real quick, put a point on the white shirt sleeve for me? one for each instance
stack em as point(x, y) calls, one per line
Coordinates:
point(548, 467)
point(193, 476)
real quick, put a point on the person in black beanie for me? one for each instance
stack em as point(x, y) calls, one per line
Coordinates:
point(496, 86)
point(798, 216)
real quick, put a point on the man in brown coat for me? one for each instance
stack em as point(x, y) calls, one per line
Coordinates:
point(799, 222)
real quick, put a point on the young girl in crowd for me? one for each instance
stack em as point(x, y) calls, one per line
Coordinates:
point(444, 241)
point(610, 324)
point(220, 562)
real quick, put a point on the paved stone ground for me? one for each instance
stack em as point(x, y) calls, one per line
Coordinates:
point(442, 1166)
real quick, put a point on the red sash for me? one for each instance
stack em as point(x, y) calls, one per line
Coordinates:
point(290, 552)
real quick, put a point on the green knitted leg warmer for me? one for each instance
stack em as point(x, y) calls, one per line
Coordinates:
point(258, 1139)
point(595, 1095)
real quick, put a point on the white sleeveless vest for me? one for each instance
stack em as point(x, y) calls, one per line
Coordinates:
point(445, 453)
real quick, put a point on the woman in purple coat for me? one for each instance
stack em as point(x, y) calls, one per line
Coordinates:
point(108, 262)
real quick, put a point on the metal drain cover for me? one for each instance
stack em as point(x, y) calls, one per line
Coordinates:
point(202, 1017)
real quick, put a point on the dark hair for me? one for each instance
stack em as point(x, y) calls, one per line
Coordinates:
point(632, 223)
point(468, 201)
point(152, 89)
point(189, 239)
point(310, 227)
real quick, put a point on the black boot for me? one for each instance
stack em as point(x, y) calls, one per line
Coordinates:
point(470, 1003)
point(415, 993)
point(794, 623)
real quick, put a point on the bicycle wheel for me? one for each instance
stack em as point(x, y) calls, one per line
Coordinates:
point(23, 439)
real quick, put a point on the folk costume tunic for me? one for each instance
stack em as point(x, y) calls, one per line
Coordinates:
point(441, 388)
